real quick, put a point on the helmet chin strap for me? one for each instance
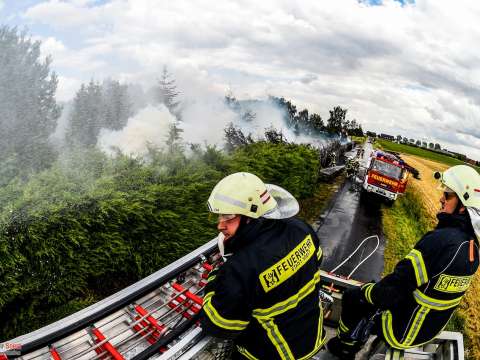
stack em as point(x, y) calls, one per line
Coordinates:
point(458, 207)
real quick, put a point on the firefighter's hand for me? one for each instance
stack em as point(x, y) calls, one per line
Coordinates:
point(356, 294)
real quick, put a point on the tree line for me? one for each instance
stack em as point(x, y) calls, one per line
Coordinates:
point(29, 112)
point(312, 124)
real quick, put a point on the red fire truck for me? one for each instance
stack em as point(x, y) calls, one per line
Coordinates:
point(386, 175)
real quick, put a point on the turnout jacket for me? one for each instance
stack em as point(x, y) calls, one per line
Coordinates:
point(421, 294)
point(265, 296)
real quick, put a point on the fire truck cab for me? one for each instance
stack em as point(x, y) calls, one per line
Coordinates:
point(386, 175)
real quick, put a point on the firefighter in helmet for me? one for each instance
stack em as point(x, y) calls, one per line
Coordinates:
point(352, 166)
point(414, 302)
point(332, 159)
point(265, 295)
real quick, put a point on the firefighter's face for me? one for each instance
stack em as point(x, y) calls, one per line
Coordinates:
point(228, 226)
point(449, 202)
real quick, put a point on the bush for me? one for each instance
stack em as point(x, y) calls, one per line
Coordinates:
point(294, 167)
point(92, 225)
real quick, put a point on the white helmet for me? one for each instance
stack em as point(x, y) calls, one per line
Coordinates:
point(465, 182)
point(245, 194)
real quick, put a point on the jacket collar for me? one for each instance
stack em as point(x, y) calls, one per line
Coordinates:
point(247, 234)
point(457, 221)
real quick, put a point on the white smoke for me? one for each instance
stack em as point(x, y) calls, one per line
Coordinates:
point(149, 127)
point(267, 115)
point(204, 121)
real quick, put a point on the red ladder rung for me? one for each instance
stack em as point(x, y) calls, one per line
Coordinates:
point(143, 330)
point(107, 346)
point(151, 320)
point(54, 353)
point(207, 267)
point(195, 298)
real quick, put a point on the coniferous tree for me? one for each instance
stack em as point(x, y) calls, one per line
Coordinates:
point(117, 105)
point(86, 118)
point(28, 108)
point(95, 107)
point(167, 93)
point(174, 138)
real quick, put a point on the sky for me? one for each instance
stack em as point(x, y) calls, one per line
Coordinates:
point(399, 67)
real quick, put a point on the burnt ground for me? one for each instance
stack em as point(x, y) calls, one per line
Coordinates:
point(351, 217)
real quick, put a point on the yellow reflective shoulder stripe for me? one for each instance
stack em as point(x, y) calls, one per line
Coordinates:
point(211, 278)
point(319, 253)
point(289, 303)
point(219, 320)
point(416, 258)
point(245, 353)
point(277, 339)
point(416, 325)
point(435, 304)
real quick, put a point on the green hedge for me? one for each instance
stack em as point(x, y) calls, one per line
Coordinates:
point(294, 167)
point(91, 225)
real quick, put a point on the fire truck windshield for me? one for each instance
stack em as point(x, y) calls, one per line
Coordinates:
point(387, 169)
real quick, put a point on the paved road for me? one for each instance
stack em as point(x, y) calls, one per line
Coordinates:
point(351, 218)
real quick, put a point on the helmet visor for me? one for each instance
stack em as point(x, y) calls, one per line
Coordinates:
point(475, 218)
point(287, 205)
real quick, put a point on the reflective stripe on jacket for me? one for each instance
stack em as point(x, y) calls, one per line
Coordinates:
point(419, 297)
point(265, 296)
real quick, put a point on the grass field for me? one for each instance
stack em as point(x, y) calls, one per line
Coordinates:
point(359, 139)
point(420, 152)
point(408, 219)
point(310, 208)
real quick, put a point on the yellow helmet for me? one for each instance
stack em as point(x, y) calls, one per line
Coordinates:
point(464, 181)
point(245, 194)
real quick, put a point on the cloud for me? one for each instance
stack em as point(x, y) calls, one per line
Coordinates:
point(399, 67)
point(65, 14)
point(2, 4)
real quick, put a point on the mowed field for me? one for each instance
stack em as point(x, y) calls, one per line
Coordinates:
point(426, 192)
point(420, 152)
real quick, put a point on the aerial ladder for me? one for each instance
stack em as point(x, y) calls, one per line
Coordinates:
point(157, 318)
